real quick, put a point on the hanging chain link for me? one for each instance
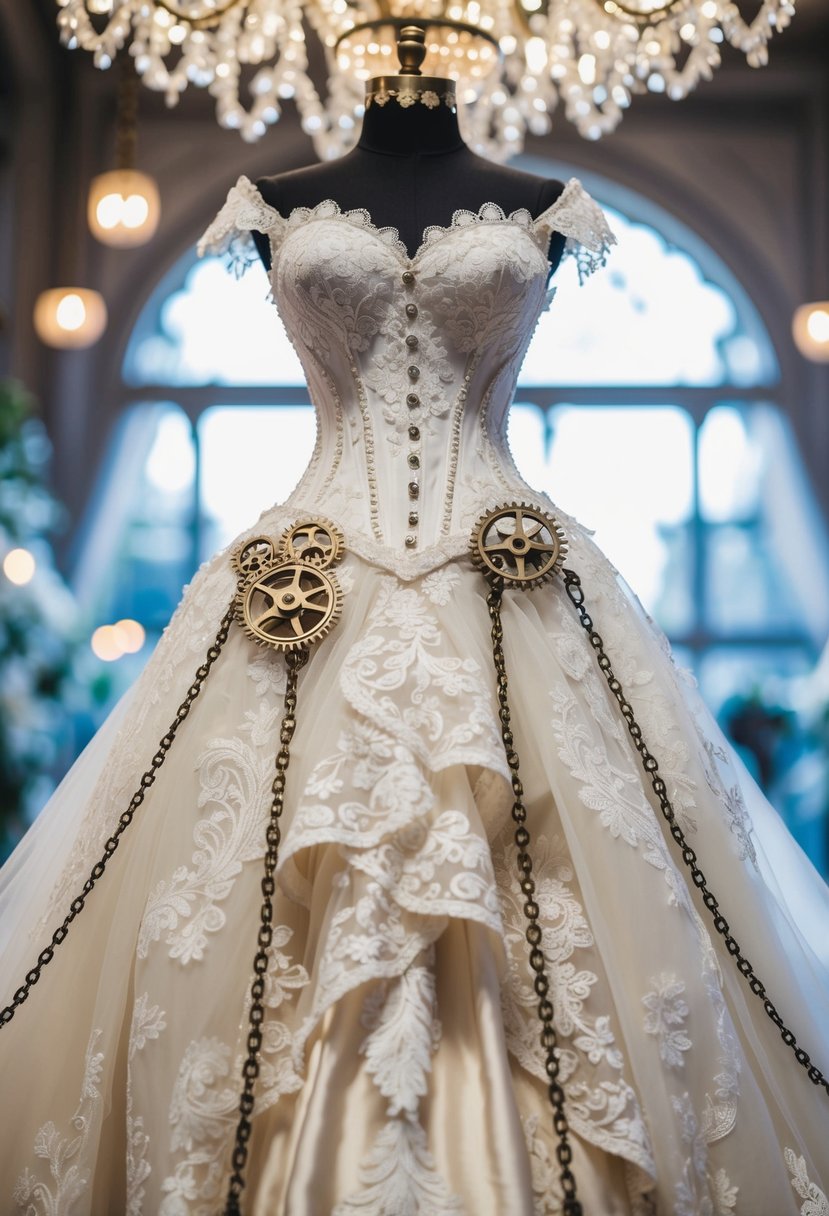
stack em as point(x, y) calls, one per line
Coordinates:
point(125, 819)
point(295, 660)
point(575, 592)
point(549, 1039)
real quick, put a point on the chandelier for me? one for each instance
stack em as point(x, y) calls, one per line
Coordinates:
point(515, 62)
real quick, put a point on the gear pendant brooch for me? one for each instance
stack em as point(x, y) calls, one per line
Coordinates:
point(287, 598)
point(518, 544)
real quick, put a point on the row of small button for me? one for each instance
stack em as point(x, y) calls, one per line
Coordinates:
point(413, 403)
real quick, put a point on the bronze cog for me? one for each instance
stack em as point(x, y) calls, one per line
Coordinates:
point(316, 541)
point(253, 557)
point(290, 606)
point(519, 544)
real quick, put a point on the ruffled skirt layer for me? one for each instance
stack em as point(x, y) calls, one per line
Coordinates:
point(402, 1070)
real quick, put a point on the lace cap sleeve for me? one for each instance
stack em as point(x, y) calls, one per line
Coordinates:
point(581, 220)
point(244, 211)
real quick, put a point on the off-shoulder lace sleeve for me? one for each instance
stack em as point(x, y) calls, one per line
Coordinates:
point(581, 220)
point(244, 211)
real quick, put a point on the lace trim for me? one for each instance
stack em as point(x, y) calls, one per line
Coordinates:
point(408, 97)
point(580, 219)
point(574, 214)
point(244, 211)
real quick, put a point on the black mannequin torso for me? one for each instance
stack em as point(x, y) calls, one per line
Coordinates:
point(409, 170)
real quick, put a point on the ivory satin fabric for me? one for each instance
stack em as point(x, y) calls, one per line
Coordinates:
point(402, 1073)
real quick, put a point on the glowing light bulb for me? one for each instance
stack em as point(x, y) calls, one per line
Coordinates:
point(818, 325)
point(810, 330)
point(70, 313)
point(69, 317)
point(19, 566)
point(130, 635)
point(106, 644)
point(123, 208)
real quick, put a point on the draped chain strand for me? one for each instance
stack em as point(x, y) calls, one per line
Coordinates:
point(541, 984)
point(574, 589)
point(295, 660)
point(125, 819)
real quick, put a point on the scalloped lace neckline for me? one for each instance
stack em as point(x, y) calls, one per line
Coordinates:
point(360, 217)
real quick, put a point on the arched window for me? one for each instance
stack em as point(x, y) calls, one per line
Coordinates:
point(647, 406)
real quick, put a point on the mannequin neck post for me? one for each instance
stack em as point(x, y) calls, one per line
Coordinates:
point(395, 130)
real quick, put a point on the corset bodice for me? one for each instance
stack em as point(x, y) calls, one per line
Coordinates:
point(411, 361)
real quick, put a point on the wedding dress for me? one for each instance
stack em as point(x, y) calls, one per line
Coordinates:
point(401, 1068)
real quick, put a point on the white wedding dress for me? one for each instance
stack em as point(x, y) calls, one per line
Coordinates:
point(402, 1072)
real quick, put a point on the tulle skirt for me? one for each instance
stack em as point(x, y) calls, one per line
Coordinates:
point(402, 1071)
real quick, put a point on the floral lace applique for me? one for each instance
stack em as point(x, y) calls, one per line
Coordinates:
point(442, 868)
point(665, 1019)
point(397, 677)
point(579, 218)
point(440, 585)
point(203, 1111)
point(405, 1030)
point(699, 1192)
point(815, 1202)
point(399, 1174)
point(70, 1170)
point(278, 1072)
point(601, 1105)
point(148, 1021)
point(236, 775)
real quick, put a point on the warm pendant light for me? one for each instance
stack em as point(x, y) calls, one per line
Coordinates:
point(70, 317)
point(123, 209)
point(810, 330)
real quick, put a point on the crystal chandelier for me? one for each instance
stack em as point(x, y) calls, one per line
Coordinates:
point(515, 61)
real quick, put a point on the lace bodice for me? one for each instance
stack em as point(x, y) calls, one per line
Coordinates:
point(411, 361)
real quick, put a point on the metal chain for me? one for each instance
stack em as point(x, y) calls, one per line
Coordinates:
point(549, 1039)
point(574, 590)
point(147, 781)
point(295, 659)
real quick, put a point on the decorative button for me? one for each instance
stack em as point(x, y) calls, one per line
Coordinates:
point(411, 311)
point(411, 541)
point(414, 460)
point(413, 401)
point(408, 277)
point(412, 342)
point(413, 371)
point(414, 489)
point(414, 432)
point(414, 519)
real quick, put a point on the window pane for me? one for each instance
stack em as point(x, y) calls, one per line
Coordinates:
point(765, 700)
point(137, 551)
point(211, 329)
point(627, 473)
point(250, 459)
point(625, 325)
point(767, 559)
point(726, 672)
point(745, 588)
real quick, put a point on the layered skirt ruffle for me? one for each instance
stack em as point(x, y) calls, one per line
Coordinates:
point(402, 1071)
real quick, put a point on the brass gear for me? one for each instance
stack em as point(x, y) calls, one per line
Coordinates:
point(290, 606)
point(519, 544)
point(253, 557)
point(316, 541)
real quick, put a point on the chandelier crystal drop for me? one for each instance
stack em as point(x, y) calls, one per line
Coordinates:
point(515, 62)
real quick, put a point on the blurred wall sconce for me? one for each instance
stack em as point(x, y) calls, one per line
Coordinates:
point(810, 330)
point(124, 208)
point(70, 318)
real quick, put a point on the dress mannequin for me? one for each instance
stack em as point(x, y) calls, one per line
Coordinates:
point(410, 169)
